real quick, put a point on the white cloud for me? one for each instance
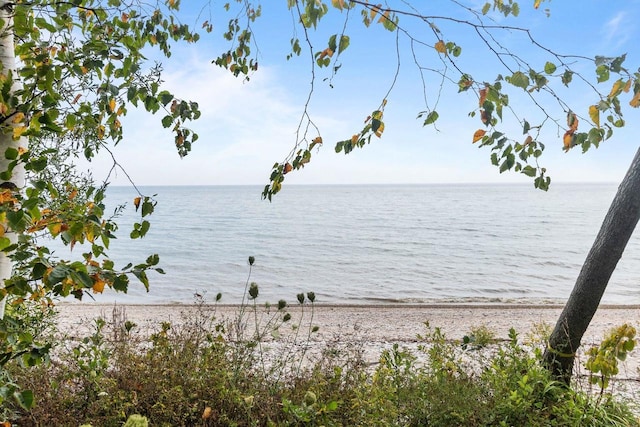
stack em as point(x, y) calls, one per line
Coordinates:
point(618, 30)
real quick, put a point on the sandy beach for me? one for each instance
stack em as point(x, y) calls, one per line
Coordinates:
point(375, 323)
point(372, 327)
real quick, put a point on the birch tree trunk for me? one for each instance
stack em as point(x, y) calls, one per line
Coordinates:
point(17, 181)
point(616, 229)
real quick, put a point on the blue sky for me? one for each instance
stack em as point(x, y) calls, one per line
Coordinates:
point(247, 126)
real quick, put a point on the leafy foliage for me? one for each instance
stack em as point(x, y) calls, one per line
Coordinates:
point(195, 372)
point(516, 77)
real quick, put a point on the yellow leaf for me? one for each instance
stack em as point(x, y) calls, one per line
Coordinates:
point(627, 86)
point(55, 229)
point(18, 131)
point(567, 139)
point(536, 4)
point(21, 151)
point(635, 101)
point(616, 89)
point(2, 230)
point(88, 232)
point(338, 4)
point(100, 132)
point(4, 109)
point(477, 136)
point(18, 117)
point(594, 114)
point(441, 47)
point(112, 105)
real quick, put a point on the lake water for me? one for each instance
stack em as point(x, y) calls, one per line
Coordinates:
point(372, 244)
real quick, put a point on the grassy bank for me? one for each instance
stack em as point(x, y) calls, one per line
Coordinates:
point(265, 371)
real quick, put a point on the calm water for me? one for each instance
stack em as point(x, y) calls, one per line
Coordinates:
point(373, 244)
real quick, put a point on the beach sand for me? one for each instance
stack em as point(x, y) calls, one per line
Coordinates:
point(375, 323)
point(372, 328)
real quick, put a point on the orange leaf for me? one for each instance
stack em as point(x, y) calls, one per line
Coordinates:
point(385, 15)
point(627, 87)
point(136, 202)
point(567, 139)
point(287, 168)
point(98, 284)
point(635, 101)
point(477, 136)
point(528, 141)
point(440, 47)
point(483, 96)
point(206, 414)
point(317, 140)
point(374, 10)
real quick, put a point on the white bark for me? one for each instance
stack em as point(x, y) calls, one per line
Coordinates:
point(8, 64)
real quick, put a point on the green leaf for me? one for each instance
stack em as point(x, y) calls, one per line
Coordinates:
point(485, 8)
point(431, 118)
point(519, 79)
point(167, 121)
point(4, 243)
point(602, 71)
point(344, 43)
point(147, 207)
point(549, 68)
point(25, 399)
point(11, 153)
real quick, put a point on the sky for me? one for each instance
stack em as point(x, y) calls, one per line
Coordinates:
point(247, 126)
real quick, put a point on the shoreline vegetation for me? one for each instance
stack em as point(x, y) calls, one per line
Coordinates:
point(314, 364)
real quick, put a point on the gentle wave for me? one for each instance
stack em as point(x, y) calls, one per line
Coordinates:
point(380, 244)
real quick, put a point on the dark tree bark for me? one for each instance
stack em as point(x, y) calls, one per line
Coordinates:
point(616, 229)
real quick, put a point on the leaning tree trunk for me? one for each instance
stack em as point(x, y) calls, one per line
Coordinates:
point(616, 229)
point(8, 66)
